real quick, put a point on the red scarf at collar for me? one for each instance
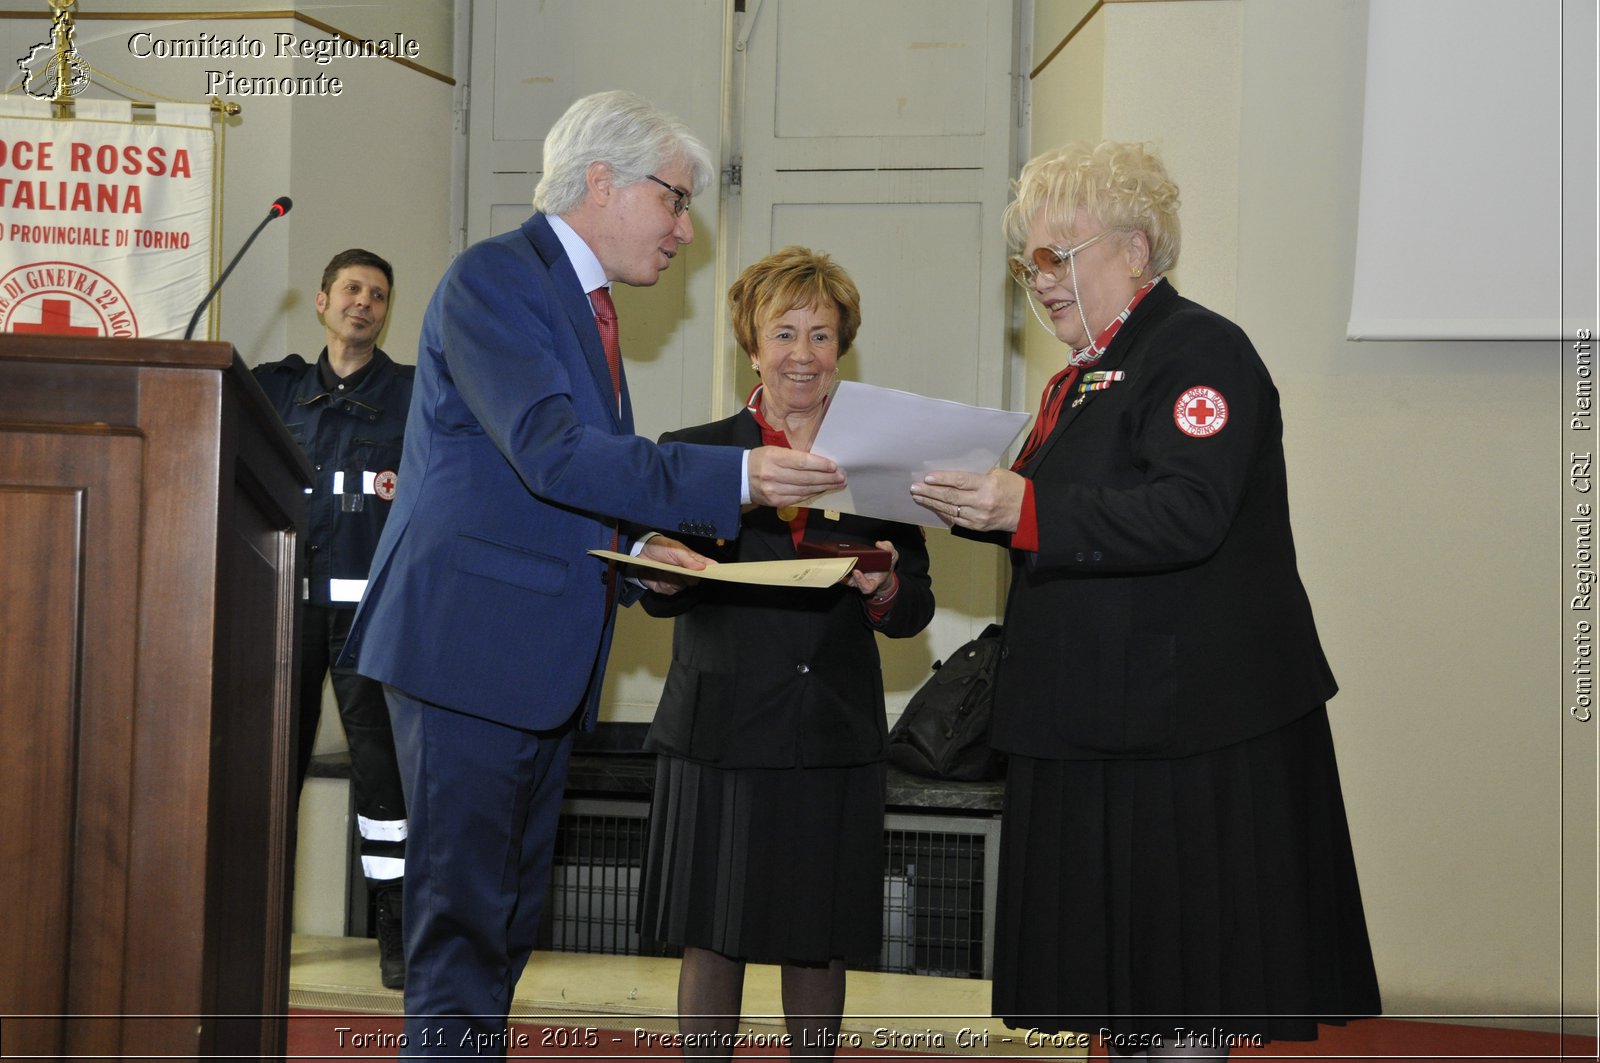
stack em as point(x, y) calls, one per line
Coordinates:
point(1055, 392)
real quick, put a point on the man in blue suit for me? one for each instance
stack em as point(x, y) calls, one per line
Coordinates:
point(485, 616)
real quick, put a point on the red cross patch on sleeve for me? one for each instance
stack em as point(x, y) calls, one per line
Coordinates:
point(384, 483)
point(1200, 412)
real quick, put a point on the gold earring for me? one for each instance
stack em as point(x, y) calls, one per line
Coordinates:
point(1138, 272)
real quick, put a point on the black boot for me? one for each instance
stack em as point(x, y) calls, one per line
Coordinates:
point(391, 942)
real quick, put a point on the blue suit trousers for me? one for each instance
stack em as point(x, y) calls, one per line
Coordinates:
point(484, 800)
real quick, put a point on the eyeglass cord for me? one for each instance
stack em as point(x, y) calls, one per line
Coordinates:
point(1089, 354)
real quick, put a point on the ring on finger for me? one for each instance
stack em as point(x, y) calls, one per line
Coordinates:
point(958, 512)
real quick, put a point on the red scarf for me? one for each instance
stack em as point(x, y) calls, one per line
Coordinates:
point(1055, 392)
point(775, 437)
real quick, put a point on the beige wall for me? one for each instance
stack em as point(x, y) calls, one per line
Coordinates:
point(1424, 479)
point(1067, 96)
point(373, 171)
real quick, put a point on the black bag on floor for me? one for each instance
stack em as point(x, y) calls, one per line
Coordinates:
point(944, 732)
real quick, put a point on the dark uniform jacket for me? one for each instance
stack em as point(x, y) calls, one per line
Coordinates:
point(353, 436)
point(1163, 613)
point(776, 677)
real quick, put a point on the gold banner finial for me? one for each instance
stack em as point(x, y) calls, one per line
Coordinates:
point(70, 76)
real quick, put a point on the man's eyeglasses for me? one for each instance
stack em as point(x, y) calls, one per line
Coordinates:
point(680, 202)
point(1046, 260)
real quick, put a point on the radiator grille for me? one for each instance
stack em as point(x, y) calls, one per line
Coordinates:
point(934, 886)
point(594, 880)
point(938, 889)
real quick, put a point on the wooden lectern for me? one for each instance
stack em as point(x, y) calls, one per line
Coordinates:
point(148, 583)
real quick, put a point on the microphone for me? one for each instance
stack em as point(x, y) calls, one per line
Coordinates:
point(279, 208)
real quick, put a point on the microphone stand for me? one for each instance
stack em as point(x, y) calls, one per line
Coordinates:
point(279, 208)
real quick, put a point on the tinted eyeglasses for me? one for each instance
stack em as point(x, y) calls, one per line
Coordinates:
point(1046, 260)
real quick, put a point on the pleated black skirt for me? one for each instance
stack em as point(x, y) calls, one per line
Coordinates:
point(1216, 893)
point(766, 865)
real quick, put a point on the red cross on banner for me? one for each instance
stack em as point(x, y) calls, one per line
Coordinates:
point(56, 320)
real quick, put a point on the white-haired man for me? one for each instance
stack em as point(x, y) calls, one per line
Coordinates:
point(485, 616)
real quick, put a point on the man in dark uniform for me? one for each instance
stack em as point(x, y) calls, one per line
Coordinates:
point(347, 410)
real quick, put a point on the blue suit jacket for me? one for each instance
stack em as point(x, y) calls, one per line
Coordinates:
point(482, 595)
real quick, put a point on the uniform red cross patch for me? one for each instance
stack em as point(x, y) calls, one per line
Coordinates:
point(383, 485)
point(1200, 412)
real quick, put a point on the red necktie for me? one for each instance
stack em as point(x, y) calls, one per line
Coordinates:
point(605, 316)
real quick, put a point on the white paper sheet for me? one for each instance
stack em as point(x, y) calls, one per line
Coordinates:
point(885, 440)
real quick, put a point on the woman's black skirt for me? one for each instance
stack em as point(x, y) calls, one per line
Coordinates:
point(1216, 893)
point(769, 865)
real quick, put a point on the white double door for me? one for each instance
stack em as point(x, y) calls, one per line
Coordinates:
point(884, 132)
